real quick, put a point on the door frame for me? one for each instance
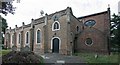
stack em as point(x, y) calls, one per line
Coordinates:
point(59, 43)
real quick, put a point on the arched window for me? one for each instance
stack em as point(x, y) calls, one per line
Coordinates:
point(12, 38)
point(38, 36)
point(77, 29)
point(27, 37)
point(19, 39)
point(56, 26)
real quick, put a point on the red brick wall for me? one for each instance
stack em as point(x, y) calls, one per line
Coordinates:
point(99, 34)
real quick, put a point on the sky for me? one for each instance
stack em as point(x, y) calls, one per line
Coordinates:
point(28, 9)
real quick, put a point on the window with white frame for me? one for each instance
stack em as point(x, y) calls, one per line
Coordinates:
point(38, 36)
point(27, 37)
point(12, 38)
point(55, 26)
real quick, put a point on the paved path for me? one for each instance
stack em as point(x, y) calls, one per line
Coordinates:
point(62, 59)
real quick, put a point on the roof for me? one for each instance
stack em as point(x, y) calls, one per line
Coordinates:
point(62, 12)
point(92, 15)
point(41, 19)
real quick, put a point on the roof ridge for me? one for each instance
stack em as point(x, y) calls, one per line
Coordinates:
point(92, 14)
point(52, 14)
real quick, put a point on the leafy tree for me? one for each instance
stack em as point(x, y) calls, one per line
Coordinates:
point(4, 25)
point(6, 7)
point(115, 31)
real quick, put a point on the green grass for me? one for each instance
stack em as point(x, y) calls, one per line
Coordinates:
point(42, 60)
point(4, 52)
point(90, 58)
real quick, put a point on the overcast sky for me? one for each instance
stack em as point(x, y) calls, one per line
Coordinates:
point(28, 9)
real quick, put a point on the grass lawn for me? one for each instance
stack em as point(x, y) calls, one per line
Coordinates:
point(90, 58)
point(3, 52)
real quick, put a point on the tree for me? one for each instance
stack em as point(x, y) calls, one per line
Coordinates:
point(4, 25)
point(6, 7)
point(115, 32)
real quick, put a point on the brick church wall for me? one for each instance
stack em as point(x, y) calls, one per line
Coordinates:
point(39, 47)
point(72, 34)
point(99, 34)
point(63, 36)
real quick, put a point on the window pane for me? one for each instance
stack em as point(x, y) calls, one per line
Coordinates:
point(38, 36)
point(56, 25)
point(19, 38)
point(27, 36)
point(12, 39)
point(88, 41)
point(77, 29)
point(90, 23)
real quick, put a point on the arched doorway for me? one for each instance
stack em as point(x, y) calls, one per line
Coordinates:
point(55, 45)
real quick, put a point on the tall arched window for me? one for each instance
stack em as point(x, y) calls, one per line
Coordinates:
point(12, 38)
point(19, 39)
point(27, 37)
point(38, 36)
point(56, 26)
point(77, 29)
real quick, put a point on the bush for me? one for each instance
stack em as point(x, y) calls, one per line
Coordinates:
point(21, 57)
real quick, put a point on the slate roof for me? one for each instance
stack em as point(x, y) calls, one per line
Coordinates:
point(41, 19)
point(92, 14)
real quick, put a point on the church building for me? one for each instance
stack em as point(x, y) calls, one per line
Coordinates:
point(63, 33)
